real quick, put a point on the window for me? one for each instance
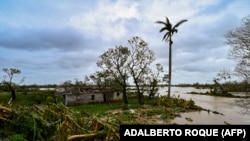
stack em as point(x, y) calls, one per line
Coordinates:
point(92, 97)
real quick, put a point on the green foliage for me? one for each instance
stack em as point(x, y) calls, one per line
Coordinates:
point(54, 122)
point(16, 137)
point(175, 105)
point(32, 124)
point(97, 108)
point(177, 102)
point(126, 117)
point(48, 121)
point(50, 99)
point(217, 92)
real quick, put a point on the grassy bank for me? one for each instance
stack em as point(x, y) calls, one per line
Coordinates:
point(32, 119)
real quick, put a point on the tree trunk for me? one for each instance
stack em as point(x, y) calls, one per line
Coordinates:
point(222, 90)
point(125, 98)
point(140, 95)
point(124, 91)
point(170, 67)
point(13, 93)
point(153, 89)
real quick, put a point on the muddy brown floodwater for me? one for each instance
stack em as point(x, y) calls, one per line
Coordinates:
point(231, 112)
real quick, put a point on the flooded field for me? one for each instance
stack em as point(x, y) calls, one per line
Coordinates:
point(231, 112)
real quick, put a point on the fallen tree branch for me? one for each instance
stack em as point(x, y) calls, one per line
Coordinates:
point(81, 136)
point(108, 126)
point(5, 109)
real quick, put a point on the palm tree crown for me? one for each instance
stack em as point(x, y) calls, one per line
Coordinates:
point(170, 29)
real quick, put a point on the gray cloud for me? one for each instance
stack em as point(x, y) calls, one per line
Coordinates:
point(52, 41)
point(35, 39)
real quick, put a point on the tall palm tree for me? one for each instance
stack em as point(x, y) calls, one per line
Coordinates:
point(170, 30)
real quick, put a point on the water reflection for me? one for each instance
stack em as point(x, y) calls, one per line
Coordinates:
point(232, 112)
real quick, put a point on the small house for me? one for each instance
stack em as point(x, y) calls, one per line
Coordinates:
point(76, 95)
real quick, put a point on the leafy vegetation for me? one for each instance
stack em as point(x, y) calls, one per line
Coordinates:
point(30, 97)
point(122, 63)
point(48, 121)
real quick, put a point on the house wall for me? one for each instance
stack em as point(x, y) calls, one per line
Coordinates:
point(71, 99)
point(117, 96)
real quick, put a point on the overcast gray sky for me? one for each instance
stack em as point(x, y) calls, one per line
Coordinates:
point(52, 41)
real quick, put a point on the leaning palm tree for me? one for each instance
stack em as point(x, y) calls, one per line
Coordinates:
point(170, 30)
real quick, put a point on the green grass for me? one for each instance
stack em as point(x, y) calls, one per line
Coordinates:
point(37, 109)
point(96, 107)
point(31, 98)
point(101, 108)
point(41, 98)
point(4, 98)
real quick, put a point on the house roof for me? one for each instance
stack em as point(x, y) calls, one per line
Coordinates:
point(85, 90)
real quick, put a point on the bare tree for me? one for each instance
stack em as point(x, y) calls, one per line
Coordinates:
point(9, 82)
point(239, 40)
point(153, 79)
point(221, 78)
